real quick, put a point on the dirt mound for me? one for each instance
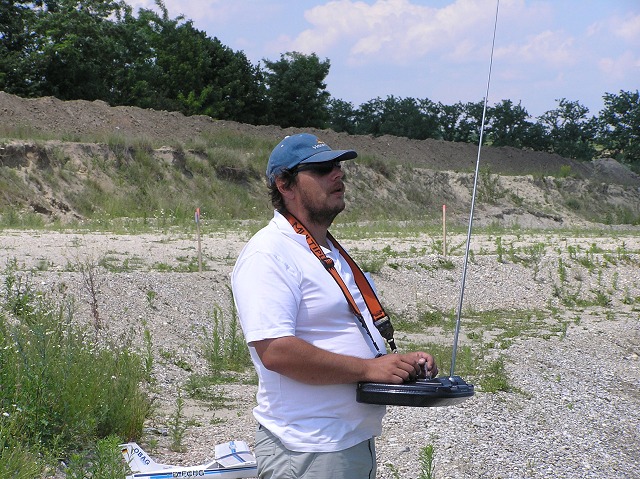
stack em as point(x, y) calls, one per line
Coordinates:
point(613, 172)
point(517, 187)
point(80, 118)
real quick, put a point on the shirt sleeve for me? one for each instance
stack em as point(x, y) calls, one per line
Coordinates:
point(267, 294)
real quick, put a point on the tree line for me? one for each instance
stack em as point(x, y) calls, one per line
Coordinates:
point(101, 50)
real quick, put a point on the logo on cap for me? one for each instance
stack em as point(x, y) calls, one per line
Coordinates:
point(319, 143)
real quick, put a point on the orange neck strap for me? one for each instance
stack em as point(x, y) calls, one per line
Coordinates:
point(380, 319)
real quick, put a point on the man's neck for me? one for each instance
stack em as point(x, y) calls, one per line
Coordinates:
point(318, 231)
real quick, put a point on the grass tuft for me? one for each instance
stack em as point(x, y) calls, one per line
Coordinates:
point(62, 389)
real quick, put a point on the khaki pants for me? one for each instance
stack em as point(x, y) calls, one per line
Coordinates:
point(277, 462)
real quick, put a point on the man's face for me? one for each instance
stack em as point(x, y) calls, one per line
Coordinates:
point(320, 191)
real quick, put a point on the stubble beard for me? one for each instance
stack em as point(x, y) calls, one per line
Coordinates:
point(322, 215)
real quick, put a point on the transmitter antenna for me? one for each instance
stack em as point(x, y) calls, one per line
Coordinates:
point(473, 202)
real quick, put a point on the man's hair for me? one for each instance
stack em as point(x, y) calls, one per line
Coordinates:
point(289, 177)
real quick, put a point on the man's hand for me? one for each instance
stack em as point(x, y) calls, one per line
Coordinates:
point(399, 368)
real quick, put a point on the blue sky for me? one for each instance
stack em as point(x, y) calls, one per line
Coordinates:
point(440, 49)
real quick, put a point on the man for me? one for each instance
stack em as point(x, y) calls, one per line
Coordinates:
point(307, 345)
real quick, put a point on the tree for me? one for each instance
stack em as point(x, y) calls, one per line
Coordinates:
point(410, 118)
point(174, 59)
point(619, 126)
point(136, 77)
point(508, 125)
point(72, 49)
point(16, 41)
point(342, 116)
point(471, 122)
point(234, 89)
point(407, 117)
point(368, 117)
point(296, 91)
point(571, 133)
point(537, 138)
point(449, 118)
point(75, 54)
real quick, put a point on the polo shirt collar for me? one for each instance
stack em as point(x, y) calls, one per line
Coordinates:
point(286, 229)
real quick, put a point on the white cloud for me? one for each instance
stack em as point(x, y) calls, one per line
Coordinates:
point(392, 30)
point(628, 29)
point(199, 11)
point(548, 48)
point(624, 66)
point(136, 4)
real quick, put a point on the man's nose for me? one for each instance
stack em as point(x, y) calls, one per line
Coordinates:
point(337, 172)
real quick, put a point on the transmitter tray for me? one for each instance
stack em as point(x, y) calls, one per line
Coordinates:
point(420, 393)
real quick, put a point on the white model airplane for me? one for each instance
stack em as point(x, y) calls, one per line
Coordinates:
point(233, 460)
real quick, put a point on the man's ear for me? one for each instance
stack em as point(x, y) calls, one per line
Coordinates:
point(285, 191)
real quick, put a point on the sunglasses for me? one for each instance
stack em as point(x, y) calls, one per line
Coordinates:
point(320, 169)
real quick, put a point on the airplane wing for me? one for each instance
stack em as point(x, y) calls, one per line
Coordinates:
point(234, 454)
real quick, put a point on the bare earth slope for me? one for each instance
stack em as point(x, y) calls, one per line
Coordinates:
point(83, 117)
point(435, 171)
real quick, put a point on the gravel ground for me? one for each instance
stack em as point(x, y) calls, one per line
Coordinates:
point(573, 410)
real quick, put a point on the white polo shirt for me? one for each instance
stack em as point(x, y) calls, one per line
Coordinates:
point(282, 289)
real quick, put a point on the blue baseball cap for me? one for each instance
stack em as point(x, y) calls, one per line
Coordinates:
point(302, 148)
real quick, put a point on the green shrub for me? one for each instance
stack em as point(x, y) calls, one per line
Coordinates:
point(224, 348)
point(16, 460)
point(69, 386)
point(103, 463)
